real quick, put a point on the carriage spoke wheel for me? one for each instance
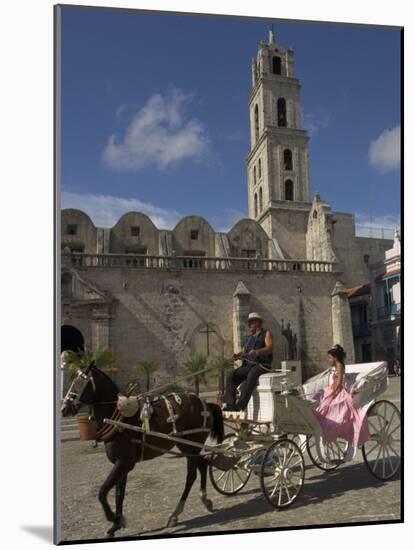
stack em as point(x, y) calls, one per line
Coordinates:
point(382, 451)
point(334, 452)
point(231, 481)
point(282, 473)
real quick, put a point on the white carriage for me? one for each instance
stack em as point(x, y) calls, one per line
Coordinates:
point(279, 425)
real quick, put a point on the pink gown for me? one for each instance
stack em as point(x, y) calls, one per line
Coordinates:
point(340, 416)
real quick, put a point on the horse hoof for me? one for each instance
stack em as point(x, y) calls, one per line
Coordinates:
point(110, 534)
point(208, 504)
point(172, 522)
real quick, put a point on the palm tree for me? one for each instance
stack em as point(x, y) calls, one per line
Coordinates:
point(220, 364)
point(148, 367)
point(101, 357)
point(197, 362)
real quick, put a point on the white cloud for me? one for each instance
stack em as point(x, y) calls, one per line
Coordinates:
point(160, 134)
point(315, 121)
point(227, 219)
point(376, 226)
point(385, 151)
point(105, 210)
point(386, 220)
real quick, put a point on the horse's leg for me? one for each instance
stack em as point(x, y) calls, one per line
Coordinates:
point(118, 472)
point(119, 501)
point(191, 477)
point(202, 467)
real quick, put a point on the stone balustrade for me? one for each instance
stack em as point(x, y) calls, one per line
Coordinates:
point(199, 263)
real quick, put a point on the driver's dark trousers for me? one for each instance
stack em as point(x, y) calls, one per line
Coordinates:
point(248, 373)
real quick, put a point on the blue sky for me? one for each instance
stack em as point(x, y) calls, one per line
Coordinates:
point(155, 114)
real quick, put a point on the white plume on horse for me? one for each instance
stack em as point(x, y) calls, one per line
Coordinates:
point(128, 406)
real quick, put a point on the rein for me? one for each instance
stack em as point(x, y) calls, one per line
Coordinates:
point(266, 366)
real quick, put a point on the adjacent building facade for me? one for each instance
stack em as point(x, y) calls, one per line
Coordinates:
point(376, 308)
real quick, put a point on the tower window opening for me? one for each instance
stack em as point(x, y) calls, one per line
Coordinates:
point(254, 175)
point(287, 159)
point(256, 122)
point(135, 231)
point(276, 64)
point(288, 190)
point(255, 205)
point(194, 234)
point(260, 168)
point(260, 199)
point(281, 112)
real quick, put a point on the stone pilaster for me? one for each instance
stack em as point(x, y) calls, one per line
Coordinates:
point(341, 321)
point(241, 310)
point(101, 326)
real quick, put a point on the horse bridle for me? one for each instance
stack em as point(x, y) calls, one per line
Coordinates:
point(78, 386)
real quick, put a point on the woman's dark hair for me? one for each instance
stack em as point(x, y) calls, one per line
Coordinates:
point(338, 352)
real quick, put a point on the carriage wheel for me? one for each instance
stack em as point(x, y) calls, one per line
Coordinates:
point(382, 451)
point(282, 473)
point(334, 451)
point(231, 481)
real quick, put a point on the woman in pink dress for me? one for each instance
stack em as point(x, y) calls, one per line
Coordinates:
point(338, 414)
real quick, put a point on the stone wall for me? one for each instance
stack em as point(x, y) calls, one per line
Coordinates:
point(288, 226)
point(353, 253)
point(159, 314)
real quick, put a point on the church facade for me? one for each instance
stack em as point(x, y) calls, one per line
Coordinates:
point(149, 293)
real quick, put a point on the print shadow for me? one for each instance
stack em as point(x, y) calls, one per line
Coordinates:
point(43, 532)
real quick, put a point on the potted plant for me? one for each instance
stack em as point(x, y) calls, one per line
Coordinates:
point(197, 362)
point(103, 359)
point(219, 365)
point(147, 367)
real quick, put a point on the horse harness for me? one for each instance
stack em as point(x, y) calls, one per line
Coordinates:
point(145, 412)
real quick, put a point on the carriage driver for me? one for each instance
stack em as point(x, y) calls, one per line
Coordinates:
point(257, 358)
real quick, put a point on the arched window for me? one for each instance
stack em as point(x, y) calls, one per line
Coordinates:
point(255, 205)
point(66, 285)
point(281, 112)
point(260, 199)
point(276, 64)
point(254, 175)
point(288, 190)
point(256, 122)
point(260, 168)
point(287, 159)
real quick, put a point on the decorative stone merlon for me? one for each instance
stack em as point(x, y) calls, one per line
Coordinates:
point(241, 290)
point(341, 321)
point(339, 289)
point(241, 310)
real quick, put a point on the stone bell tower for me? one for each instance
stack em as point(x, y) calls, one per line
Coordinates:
point(278, 162)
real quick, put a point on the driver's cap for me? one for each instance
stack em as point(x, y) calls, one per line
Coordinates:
point(253, 316)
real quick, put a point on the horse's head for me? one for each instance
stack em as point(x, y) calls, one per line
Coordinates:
point(81, 391)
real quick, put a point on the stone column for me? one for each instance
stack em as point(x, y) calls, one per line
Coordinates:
point(241, 310)
point(341, 321)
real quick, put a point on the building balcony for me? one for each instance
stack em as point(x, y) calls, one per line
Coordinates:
point(388, 311)
point(199, 263)
point(360, 330)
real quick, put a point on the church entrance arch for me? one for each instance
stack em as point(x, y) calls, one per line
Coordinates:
point(71, 339)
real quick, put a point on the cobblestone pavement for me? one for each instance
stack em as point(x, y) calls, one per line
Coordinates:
point(348, 494)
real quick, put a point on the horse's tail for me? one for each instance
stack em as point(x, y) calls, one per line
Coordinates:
point(217, 430)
